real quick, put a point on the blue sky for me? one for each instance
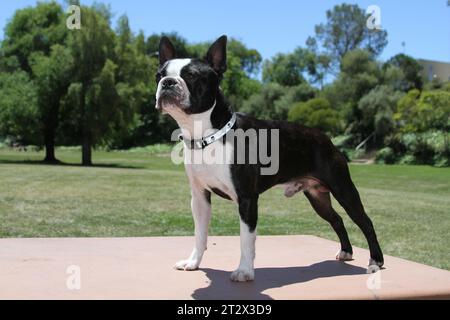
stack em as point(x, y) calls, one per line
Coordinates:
point(279, 26)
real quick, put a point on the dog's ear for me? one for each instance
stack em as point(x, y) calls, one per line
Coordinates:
point(166, 50)
point(217, 55)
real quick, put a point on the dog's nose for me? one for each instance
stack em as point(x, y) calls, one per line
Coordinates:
point(168, 83)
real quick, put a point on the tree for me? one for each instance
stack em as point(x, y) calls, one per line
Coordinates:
point(273, 101)
point(419, 112)
point(284, 69)
point(18, 107)
point(250, 59)
point(34, 29)
point(422, 122)
point(262, 104)
point(236, 84)
point(290, 69)
point(135, 86)
point(377, 109)
point(33, 40)
point(52, 77)
point(302, 92)
point(408, 75)
point(316, 113)
point(345, 30)
point(359, 74)
point(92, 95)
point(318, 64)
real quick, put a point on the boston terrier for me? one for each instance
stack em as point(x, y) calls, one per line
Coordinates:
point(189, 91)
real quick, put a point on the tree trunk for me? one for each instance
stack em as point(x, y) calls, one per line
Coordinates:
point(50, 153)
point(86, 152)
point(86, 142)
point(49, 138)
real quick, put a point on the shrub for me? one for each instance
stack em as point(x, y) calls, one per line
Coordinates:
point(262, 104)
point(430, 147)
point(395, 142)
point(300, 93)
point(357, 154)
point(407, 159)
point(442, 160)
point(273, 101)
point(420, 112)
point(18, 107)
point(386, 156)
point(315, 113)
point(423, 153)
point(377, 109)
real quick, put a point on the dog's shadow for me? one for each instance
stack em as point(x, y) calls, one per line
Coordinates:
point(221, 287)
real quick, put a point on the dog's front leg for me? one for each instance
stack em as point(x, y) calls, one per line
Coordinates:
point(201, 212)
point(248, 212)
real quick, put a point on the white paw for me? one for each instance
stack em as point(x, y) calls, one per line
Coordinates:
point(242, 275)
point(374, 266)
point(343, 255)
point(187, 265)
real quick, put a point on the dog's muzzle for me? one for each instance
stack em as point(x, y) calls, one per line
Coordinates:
point(171, 91)
point(168, 83)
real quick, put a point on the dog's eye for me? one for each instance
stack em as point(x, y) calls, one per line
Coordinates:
point(158, 77)
point(189, 74)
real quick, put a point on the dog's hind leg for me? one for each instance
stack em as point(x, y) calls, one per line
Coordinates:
point(248, 212)
point(201, 212)
point(347, 195)
point(321, 202)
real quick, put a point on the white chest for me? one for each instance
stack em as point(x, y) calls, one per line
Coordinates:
point(210, 168)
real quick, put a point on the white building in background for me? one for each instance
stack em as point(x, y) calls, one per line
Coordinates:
point(435, 69)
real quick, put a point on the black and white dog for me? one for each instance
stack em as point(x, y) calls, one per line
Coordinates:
point(188, 90)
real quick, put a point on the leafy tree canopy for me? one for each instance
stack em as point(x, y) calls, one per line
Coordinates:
point(34, 29)
point(403, 72)
point(316, 113)
point(418, 112)
point(345, 30)
point(18, 107)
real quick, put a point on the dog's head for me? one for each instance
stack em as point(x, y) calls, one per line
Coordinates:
point(189, 86)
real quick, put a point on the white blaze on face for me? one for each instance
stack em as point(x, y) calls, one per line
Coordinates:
point(173, 70)
point(174, 67)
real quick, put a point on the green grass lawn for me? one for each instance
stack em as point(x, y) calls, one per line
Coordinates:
point(142, 194)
